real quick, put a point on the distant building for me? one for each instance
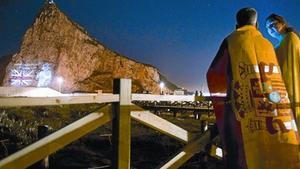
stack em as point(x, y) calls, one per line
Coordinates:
point(182, 91)
point(50, 1)
point(179, 92)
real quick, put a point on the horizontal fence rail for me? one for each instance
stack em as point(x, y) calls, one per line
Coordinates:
point(57, 100)
point(149, 97)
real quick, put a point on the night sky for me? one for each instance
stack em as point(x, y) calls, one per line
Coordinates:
point(178, 37)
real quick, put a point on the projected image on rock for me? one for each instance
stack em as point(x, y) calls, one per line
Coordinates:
point(44, 76)
point(22, 75)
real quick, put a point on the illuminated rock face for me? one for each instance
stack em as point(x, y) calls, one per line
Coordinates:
point(68, 51)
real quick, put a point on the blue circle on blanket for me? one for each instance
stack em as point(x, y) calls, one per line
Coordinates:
point(274, 97)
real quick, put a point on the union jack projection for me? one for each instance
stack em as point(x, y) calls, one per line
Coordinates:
point(23, 75)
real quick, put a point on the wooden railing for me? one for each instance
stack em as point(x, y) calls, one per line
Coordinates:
point(120, 112)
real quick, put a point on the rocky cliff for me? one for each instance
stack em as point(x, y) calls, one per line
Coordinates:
point(54, 46)
point(4, 61)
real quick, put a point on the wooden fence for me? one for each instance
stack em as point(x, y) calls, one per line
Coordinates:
point(120, 112)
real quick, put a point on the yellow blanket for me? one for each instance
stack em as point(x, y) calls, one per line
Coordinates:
point(288, 54)
point(261, 123)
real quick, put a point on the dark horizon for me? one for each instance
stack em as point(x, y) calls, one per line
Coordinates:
point(180, 39)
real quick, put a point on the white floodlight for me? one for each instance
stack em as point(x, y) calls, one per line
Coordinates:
point(161, 85)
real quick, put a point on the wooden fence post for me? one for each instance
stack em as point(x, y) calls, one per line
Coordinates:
point(43, 131)
point(121, 124)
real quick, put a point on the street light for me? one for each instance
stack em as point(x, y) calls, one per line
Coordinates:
point(60, 81)
point(161, 85)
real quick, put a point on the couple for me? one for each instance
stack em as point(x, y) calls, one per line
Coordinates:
point(255, 119)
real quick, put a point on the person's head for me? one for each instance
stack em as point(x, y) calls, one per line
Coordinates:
point(276, 25)
point(246, 16)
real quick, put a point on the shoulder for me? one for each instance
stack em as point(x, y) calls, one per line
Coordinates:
point(221, 52)
point(292, 36)
point(225, 42)
point(224, 46)
point(266, 41)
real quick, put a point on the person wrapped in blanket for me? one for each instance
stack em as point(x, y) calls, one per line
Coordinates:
point(253, 114)
point(288, 55)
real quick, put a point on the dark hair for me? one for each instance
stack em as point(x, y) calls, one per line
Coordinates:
point(246, 16)
point(280, 19)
